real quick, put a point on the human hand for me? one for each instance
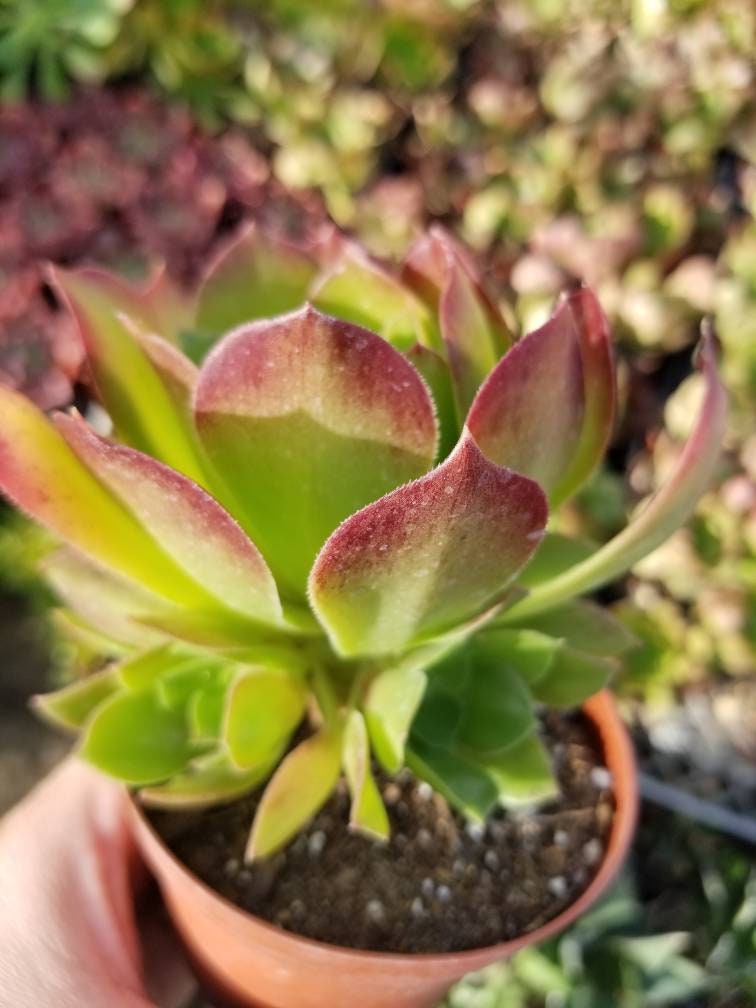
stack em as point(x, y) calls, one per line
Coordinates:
point(69, 936)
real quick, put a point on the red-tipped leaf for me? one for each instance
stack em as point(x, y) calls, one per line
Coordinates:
point(307, 419)
point(192, 528)
point(666, 511)
point(547, 409)
point(110, 315)
point(254, 277)
point(428, 556)
point(42, 475)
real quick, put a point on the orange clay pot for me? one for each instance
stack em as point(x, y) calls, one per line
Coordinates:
point(245, 962)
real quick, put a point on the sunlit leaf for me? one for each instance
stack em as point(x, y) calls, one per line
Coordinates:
point(368, 813)
point(131, 388)
point(307, 420)
point(298, 789)
point(358, 290)
point(669, 508)
point(256, 276)
point(264, 707)
point(72, 706)
point(191, 527)
point(389, 707)
point(210, 780)
point(435, 371)
point(134, 738)
point(473, 331)
point(547, 408)
point(106, 602)
point(428, 556)
point(40, 473)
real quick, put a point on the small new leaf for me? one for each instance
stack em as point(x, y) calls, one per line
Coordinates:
point(298, 789)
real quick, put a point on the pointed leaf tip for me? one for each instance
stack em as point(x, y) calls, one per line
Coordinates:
point(255, 276)
point(666, 511)
point(264, 707)
point(359, 290)
point(44, 477)
point(298, 789)
point(307, 419)
point(428, 556)
point(368, 813)
point(547, 408)
point(190, 526)
point(474, 335)
point(111, 317)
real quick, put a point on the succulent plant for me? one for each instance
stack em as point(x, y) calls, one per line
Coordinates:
point(328, 543)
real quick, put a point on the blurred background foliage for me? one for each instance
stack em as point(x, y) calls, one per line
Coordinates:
point(612, 140)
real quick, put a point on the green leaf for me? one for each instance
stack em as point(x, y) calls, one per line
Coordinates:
point(473, 331)
point(438, 718)
point(207, 708)
point(523, 774)
point(368, 813)
point(463, 782)
point(102, 600)
point(390, 705)
point(556, 554)
point(209, 780)
point(141, 406)
point(667, 510)
point(256, 276)
point(586, 627)
point(497, 710)
point(529, 652)
point(180, 684)
point(434, 370)
point(264, 707)
point(357, 290)
point(191, 527)
point(41, 474)
point(72, 706)
point(653, 952)
point(547, 409)
point(572, 678)
point(141, 671)
point(427, 557)
point(307, 420)
point(298, 789)
point(137, 740)
point(541, 975)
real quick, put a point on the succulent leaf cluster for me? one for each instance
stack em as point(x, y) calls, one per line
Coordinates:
point(317, 535)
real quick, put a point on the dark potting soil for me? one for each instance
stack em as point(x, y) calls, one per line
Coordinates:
point(440, 884)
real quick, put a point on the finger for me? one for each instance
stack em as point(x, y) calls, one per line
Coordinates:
point(67, 930)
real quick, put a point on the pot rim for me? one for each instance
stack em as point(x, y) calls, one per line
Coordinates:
point(618, 752)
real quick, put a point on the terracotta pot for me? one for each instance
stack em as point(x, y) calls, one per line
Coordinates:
point(247, 962)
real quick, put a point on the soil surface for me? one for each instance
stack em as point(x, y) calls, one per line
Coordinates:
point(440, 884)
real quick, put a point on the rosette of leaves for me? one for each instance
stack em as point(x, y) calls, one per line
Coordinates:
point(326, 546)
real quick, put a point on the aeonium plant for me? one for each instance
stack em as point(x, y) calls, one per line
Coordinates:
point(327, 545)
